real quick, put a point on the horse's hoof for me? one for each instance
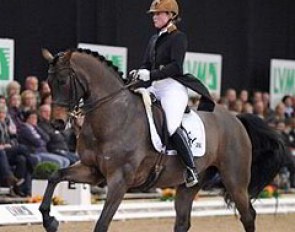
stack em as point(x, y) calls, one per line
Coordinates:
point(51, 225)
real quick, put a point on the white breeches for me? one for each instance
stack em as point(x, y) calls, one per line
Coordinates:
point(174, 98)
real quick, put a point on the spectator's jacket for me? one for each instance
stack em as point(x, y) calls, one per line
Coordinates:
point(56, 139)
point(34, 137)
point(5, 136)
point(16, 115)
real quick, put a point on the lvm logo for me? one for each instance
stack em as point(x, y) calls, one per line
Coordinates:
point(284, 80)
point(4, 63)
point(205, 71)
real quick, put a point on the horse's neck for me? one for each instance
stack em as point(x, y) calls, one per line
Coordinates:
point(114, 118)
point(101, 79)
point(119, 111)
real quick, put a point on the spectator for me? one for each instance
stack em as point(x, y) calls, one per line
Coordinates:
point(36, 140)
point(257, 96)
point(236, 107)
point(291, 125)
point(28, 101)
point(44, 89)
point(17, 154)
point(31, 84)
point(258, 109)
point(280, 112)
point(2, 100)
point(247, 108)
point(289, 109)
point(7, 177)
point(231, 97)
point(268, 112)
point(14, 110)
point(57, 143)
point(244, 96)
point(13, 87)
point(46, 99)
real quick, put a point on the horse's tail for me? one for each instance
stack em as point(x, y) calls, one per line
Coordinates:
point(268, 152)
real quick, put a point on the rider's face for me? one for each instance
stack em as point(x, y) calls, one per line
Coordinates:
point(160, 19)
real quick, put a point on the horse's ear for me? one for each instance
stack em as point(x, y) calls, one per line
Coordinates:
point(67, 56)
point(47, 55)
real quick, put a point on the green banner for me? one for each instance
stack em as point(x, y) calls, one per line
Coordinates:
point(4, 64)
point(282, 80)
point(205, 67)
point(207, 72)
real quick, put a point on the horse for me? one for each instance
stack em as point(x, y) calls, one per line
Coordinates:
point(115, 147)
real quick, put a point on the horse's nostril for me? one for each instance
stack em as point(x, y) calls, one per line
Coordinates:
point(58, 124)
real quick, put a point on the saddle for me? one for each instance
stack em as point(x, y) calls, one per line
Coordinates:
point(160, 136)
point(160, 121)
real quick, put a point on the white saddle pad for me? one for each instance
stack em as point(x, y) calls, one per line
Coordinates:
point(195, 130)
point(192, 124)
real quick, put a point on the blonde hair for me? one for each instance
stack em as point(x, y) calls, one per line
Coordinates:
point(27, 93)
point(13, 85)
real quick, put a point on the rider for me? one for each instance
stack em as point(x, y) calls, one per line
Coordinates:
point(162, 68)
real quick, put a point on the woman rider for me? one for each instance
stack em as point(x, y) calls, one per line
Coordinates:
point(162, 68)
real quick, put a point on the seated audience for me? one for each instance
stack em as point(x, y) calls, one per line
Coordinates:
point(36, 140)
point(17, 154)
point(57, 142)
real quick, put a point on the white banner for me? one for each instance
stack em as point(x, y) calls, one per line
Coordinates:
point(118, 55)
point(282, 80)
point(206, 67)
point(6, 61)
point(19, 214)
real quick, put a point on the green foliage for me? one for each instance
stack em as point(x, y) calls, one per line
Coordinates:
point(44, 170)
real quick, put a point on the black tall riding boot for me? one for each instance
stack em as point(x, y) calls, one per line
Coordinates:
point(183, 150)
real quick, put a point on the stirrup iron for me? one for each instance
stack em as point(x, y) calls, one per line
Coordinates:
point(190, 177)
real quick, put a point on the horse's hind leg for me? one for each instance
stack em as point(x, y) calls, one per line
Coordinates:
point(237, 189)
point(78, 173)
point(248, 216)
point(183, 206)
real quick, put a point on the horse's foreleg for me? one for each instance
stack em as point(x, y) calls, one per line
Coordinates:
point(78, 173)
point(183, 206)
point(117, 187)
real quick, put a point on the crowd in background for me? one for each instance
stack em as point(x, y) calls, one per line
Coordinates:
point(27, 137)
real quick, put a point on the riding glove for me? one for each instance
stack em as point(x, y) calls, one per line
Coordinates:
point(143, 74)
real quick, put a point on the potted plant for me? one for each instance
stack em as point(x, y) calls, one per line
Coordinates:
point(44, 170)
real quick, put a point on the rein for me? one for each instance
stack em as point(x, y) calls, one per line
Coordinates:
point(76, 113)
point(87, 108)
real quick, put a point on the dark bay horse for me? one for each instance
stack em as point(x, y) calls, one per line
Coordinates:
point(115, 147)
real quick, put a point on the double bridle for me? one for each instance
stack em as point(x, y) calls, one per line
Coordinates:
point(75, 105)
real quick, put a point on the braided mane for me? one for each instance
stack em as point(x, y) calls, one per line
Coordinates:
point(98, 56)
